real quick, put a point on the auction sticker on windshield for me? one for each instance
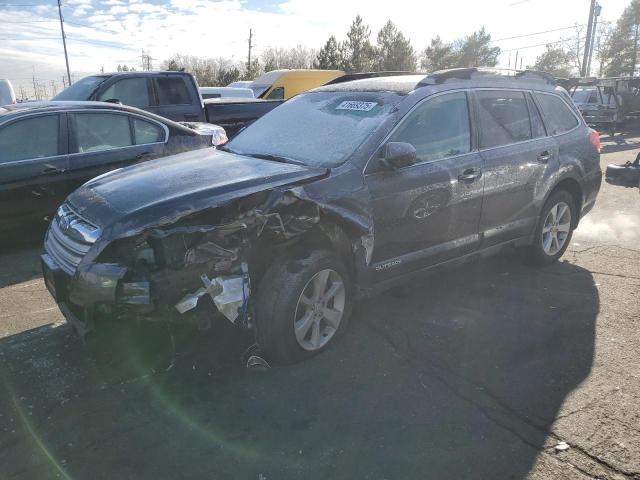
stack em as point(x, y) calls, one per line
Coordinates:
point(356, 105)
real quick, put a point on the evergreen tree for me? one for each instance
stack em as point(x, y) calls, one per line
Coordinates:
point(475, 50)
point(623, 42)
point(555, 61)
point(438, 56)
point(329, 56)
point(394, 51)
point(357, 48)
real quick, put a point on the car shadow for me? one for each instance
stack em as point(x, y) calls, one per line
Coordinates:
point(623, 140)
point(460, 374)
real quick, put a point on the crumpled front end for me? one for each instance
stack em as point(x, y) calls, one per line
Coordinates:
point(164, 272)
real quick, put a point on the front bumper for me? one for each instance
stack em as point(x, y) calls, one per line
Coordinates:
point(92, 288)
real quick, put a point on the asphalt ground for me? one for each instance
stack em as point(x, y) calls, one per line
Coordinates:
point(478, 372)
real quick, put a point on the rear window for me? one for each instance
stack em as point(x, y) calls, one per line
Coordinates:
point(558, 116)
point(172, 91)
point(504, 118)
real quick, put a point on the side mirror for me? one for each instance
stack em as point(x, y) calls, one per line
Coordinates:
point(398, 155)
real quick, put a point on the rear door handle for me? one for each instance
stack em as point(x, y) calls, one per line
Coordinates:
point(143, 156)
point(545, 156)
point(469, 175)
point(50, 170)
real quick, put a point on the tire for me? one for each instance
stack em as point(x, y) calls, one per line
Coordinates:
point(544, 250)
point(280, 306)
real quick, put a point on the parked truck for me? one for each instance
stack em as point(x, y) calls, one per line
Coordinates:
point(173, 95)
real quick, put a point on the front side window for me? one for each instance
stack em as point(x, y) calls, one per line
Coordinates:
point(276, 94)
point(438, 128)
point(557, 114)
point(34, 137)
point(147, 132)
point(94, 132)
point(172, 91)
point(504, 118)
point(129, 91)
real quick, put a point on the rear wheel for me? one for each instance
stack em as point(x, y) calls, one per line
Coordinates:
point(302, 306)
point(554, 229)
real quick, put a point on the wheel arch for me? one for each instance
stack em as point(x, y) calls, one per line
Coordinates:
point(572, 186)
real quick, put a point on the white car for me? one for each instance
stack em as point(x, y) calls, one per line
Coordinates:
point(240, 84)
point(8, 97)
point(225, 92)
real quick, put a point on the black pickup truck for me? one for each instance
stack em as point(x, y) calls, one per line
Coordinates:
point(173, 95)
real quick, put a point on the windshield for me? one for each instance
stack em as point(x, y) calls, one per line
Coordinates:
point(259, 89)
point(81, 90)
point(585, 95)
point(320, 129)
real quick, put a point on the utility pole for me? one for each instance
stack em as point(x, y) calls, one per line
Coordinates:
point(635, 52)
point(35, 87)
point(596, 13)
point(509, 67)
point(515, 65)
point(587, 41)
point(54, 90)
point(64, 42)
point(520, 63)
point(249, 56)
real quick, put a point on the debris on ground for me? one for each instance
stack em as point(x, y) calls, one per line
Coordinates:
point(562, 446)
point(257, 363)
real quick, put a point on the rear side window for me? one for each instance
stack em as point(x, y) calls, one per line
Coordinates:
point(438, 128)
point(34, 137)
point(93, 132)
point(557, 114)
point(147, 132)
point(172, 91)
point(504, 118)
point(129, 91)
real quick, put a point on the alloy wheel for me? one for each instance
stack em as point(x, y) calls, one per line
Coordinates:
point(556, 229)
point(320, 310)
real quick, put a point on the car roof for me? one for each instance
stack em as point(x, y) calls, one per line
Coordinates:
point(447, 79)
point(10, 111)
point(401, 84)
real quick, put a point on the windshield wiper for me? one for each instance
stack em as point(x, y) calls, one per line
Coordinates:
point(274, 158)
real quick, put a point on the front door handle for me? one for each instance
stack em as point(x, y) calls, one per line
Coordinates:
point(545, 156)
point(470, 175)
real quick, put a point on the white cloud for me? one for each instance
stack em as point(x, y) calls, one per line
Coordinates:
point(220, 28)
point(118, 9)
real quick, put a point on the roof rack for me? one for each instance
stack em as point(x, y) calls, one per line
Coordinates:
point(474, 73)
point(347, 77)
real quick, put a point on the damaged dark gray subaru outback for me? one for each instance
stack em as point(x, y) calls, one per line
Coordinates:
point(337, 193)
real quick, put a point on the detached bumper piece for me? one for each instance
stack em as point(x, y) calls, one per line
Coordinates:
point(627, 175)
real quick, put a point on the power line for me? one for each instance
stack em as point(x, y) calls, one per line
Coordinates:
point(536, 33)
point(533, 46)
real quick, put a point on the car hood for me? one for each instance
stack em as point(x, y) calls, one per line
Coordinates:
point(159, 192)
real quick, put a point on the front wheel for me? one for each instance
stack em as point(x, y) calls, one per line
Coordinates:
point(554, 229)
point(302, 306)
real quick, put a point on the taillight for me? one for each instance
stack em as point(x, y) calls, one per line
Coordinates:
point(594, 138)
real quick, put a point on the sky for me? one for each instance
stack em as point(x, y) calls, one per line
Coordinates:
point(105, 33)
